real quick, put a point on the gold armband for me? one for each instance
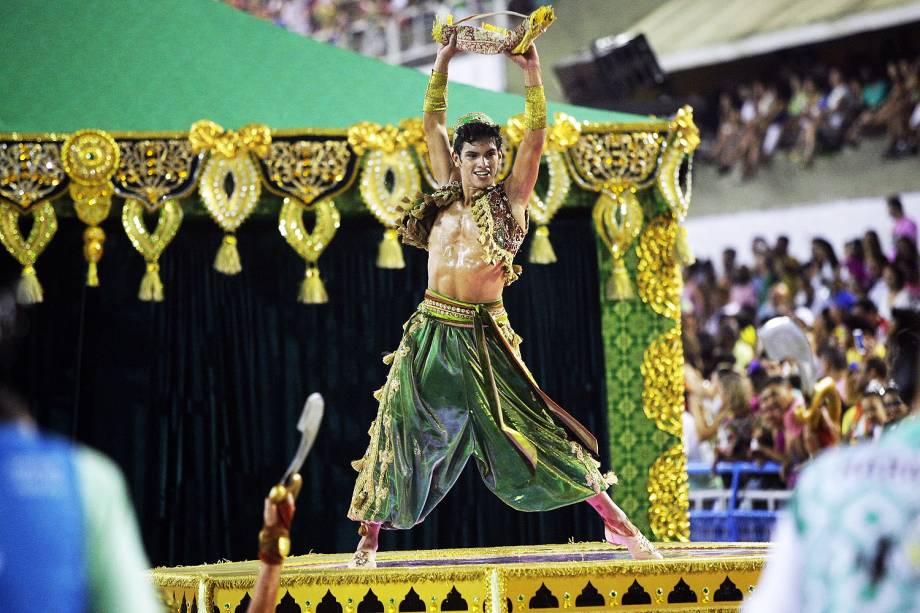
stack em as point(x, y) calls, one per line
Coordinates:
point(436, 95)
point(535, 107)
point(274, 544)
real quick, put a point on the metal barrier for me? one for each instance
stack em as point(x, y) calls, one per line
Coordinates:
point(728, 514)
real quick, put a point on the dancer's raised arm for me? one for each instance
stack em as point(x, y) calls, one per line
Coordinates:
point(434, 119)
point(527, 159)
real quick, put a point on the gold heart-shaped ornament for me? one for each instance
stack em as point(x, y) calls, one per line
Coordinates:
point(309, 245)
point(27, 250)
point(151, 244)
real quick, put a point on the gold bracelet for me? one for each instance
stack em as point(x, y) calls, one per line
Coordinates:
point(436, 95)
point(274, 544)
point(534, 107)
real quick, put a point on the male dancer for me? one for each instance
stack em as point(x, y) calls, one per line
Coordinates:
point(457, 386)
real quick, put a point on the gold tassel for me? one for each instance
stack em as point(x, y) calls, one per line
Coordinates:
point(151, 284)
point(93, 238)
point(312, 290)
point(389, 254)
point(92, 275)
point(541, 250)
point(29, 290)
point(228, 258)
point(682, 250)
point(619, 286)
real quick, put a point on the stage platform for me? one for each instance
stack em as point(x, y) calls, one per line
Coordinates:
point(578, 576)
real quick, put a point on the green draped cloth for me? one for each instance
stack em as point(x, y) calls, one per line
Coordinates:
point(457, 388)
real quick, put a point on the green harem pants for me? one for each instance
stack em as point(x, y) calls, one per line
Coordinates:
point(457, 388)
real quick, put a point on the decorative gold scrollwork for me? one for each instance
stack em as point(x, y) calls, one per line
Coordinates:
point(151, 244)
point(618, 221)
point(389, 179)
point(229, 161)
point(27, 250)
point(90, 158)
point(155, 171)
point(309, 245)
point(308, 170)
point(605, 160)
point(30, 173)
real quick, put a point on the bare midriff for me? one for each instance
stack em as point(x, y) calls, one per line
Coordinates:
point(455, 258)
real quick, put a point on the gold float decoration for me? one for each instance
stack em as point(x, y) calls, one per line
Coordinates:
point(669, 496)
point(307, 173)
point(663, 393)
point(155, 171)
point(663, 403)
point(30, 173)
point(229, 161)
point(658, 272)
point(309, 245)
point(90, 158)
point(152, 176)
point(27, 250)
point(618, 220)
point(682, 141)
point(606, 159)
point(151, 244)
point(387, 158)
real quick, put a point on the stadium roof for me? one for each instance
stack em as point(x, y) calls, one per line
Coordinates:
point(136, 65)
point(690, 33)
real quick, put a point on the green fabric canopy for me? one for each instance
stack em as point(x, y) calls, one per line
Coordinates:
point(137, 65)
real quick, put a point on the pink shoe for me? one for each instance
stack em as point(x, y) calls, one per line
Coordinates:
point(638, 546)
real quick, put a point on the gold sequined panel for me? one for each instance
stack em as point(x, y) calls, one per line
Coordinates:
point(615, 158)
point(663, 389)
point(309, 169)
point(669, 496)
point(31, 172)
point(154, 171)
point(658, 275)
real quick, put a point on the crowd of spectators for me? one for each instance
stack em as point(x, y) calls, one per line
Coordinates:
point(815, 110)
point(330, 21)
point(741, 406)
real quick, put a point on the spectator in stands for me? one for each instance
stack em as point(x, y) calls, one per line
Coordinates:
point(872, 375)
point(737, 423)
point(838, 113)
point(854, 265)
point(874, 257)
point(742, 291)
point(725, 150)
point(904, 226)
point(700, 424)
point(834, 365)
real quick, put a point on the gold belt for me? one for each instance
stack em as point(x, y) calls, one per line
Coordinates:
point(458, 312)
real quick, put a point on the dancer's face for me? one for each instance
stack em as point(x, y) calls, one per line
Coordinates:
point(478, 163)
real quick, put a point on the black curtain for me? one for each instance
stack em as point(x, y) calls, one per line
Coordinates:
point(196, 398)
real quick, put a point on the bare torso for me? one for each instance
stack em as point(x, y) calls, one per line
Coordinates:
point(455, 259)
